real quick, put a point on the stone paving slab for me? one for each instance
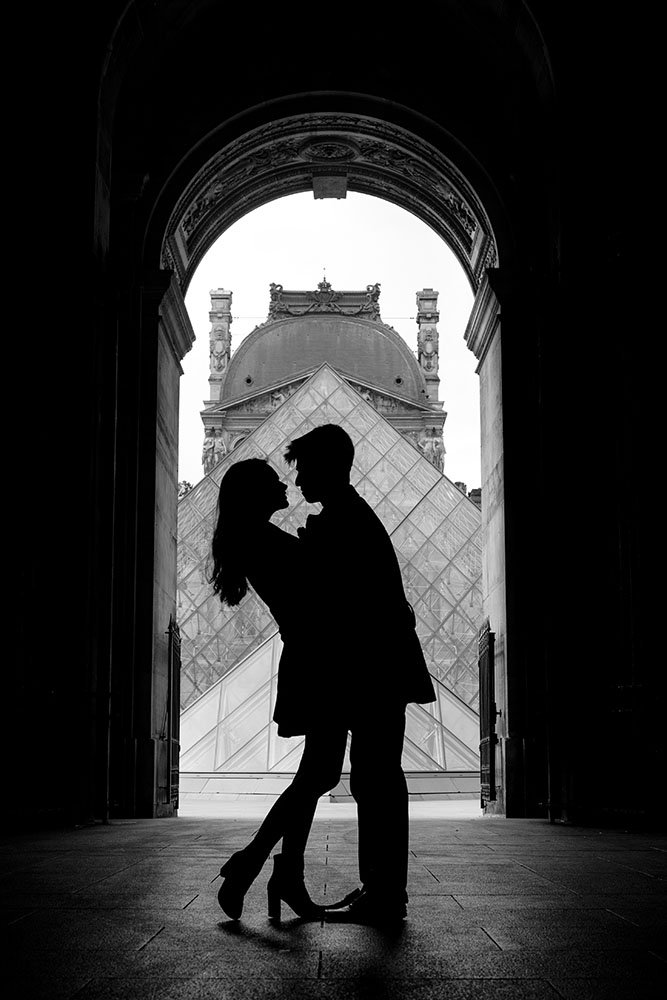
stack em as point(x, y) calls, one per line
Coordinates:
point(507, 909)
point(453, 960)
point(609, 989)
point(304, 989)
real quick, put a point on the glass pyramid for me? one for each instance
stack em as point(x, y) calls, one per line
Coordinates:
point(434, 527)
point(230, 727)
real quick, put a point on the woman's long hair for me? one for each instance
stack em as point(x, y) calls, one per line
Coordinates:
point(241, 489)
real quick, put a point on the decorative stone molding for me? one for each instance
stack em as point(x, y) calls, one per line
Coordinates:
point(330, 151)
point(484, 321)
point(324, 300)
point(488, 258)
point(264, 403)
point(175, 321)
point(169, 257)
point(362, 154)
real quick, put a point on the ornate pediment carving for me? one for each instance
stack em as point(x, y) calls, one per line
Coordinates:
point(325, 300)
point(385, 402)
point(265, 402)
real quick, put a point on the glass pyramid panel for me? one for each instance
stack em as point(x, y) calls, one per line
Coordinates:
point(230, 727)
point(433, 525)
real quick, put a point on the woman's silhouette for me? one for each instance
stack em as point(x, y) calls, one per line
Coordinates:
point(248, 549)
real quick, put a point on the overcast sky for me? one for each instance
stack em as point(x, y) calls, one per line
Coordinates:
point(359, 241)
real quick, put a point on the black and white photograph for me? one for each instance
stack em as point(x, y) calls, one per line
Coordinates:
point(334, 669)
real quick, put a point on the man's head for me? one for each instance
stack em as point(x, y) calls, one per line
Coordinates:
point(323, 459)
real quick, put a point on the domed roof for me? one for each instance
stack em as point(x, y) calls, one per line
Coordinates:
point(286, 347)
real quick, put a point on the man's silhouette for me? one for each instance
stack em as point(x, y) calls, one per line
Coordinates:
point(368, 658)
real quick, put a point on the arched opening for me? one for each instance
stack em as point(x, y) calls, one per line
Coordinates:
point(327, 143)
point(330, 153)
point(438, 546)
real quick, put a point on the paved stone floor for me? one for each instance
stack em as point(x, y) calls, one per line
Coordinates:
point(498, 909)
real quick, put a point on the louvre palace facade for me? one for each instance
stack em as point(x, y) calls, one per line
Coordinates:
point(326, 357)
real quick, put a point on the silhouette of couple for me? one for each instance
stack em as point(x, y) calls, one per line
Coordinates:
point(351, 662)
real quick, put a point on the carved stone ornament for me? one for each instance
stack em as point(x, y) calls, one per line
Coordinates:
point(215, 448)
point(428, 351)
point(207, 459)
point(328, 151)
point(380, 402)
point(263, 159)
point(218, 357)
point(219, 448)
point(373, 153)
point(168, 261)
point(325, 300)
point(276, 303)
point(259, 404)
point(489, 258)
point(379, 159)
point(266, 402)
point(430, 444)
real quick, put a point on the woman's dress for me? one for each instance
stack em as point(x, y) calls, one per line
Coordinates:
point(275, 572)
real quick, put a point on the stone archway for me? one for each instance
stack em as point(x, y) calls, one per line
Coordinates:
point(180, 175)
point(329, 153)
point(508, 91)
point(527, 100)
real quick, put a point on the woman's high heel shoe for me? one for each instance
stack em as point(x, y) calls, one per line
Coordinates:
point(238, 873)
point(287, 885)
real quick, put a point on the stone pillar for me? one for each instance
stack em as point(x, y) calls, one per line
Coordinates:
point(427, 341)
point(175, 339)
point(220, 340)
point(154, 335)
point(430, 439)
point(483, 338)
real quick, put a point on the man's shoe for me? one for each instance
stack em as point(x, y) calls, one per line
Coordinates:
point(370, 908)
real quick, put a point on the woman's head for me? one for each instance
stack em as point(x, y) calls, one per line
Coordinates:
point(250, 492)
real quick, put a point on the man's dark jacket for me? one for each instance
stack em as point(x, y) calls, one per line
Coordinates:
point(361, 627)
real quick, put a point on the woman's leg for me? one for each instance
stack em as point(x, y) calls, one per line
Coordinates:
point(319, 771)
point(291, 816)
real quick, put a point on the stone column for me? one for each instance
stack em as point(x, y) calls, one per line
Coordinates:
point(483, 338)
point(154, 335)
point(427, 341)
point(220, 340)
point(175, 339)
point(429, 439)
